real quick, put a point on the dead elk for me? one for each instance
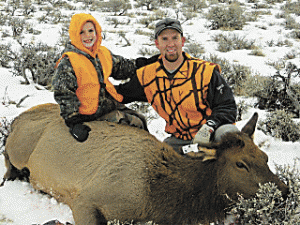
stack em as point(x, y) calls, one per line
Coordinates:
point(125, 173)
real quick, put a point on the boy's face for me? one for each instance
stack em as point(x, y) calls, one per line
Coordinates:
point(88, 35)
point(170, 43)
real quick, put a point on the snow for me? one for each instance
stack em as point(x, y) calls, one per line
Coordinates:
point(20, 204)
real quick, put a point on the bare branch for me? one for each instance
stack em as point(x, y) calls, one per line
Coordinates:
point(21, 100)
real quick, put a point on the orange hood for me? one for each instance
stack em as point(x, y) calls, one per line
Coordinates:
point(76, 24)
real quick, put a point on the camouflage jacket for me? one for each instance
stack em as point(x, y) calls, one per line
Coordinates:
point(64, 85)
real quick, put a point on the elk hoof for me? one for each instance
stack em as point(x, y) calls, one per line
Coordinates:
point(2, 184)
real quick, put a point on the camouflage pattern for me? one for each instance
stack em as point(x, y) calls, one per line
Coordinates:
point(64, 84)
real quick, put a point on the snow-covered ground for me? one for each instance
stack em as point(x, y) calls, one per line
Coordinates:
point(20, 204)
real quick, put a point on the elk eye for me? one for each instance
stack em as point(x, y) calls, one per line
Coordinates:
point(242, 166)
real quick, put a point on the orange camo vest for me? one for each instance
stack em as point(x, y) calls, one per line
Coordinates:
point(181, 101)
point(88, 81)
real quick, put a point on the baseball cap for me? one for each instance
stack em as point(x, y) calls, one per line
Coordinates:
point(167, 23)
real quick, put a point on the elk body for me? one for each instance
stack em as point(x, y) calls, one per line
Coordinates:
point(125, 173)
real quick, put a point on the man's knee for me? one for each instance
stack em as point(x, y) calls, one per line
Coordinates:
point(224, 129)
point(176, 143)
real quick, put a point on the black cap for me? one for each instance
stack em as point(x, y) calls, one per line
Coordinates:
point(167, 23)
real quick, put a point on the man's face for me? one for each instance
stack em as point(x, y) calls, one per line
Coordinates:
point(88, 35)
point(170, 43)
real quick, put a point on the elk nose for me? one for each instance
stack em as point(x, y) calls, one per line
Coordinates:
point(284, 190)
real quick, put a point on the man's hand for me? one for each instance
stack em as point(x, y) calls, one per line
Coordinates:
point(203, 136)
point(80, 132)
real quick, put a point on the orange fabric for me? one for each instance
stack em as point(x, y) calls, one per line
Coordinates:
point(181, 100)
point(88, 83)
point(86, 74)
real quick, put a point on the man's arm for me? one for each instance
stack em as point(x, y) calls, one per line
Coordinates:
point(126, 68)
point(122, 68)
point(221, 100)
point(132, 91)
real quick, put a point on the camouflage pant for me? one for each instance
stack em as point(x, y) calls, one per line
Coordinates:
point(177, 143)
point(126, 116)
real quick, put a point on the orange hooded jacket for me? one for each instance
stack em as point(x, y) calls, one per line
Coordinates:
point(86, 74)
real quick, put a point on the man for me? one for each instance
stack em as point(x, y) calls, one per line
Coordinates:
point(187, 92)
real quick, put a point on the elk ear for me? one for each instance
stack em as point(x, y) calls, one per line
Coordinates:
point(204, 153)
point(249, 128)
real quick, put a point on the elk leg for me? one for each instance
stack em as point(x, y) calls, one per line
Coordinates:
point(2, 183)
point(13, 173)
point(85, 213)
